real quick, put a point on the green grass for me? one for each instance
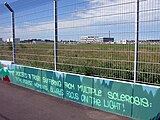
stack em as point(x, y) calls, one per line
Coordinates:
point(104, 60)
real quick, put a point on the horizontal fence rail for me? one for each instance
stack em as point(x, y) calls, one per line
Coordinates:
point(90, 37)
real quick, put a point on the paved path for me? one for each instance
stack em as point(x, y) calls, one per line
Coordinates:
point(17, 103)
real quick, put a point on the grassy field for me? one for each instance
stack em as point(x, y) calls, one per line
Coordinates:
point(104, 60)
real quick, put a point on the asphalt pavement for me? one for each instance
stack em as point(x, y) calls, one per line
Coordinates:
point(18, 103)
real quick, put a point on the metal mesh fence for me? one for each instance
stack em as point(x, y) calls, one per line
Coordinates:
point(5, 32)
point(95, 37)
point(149, 42)
point(34, 33)
point(35, 28)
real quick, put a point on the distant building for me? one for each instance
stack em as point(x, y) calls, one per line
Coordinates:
point(1, 41)
point(104, 39)
point(17, 40)
point(89, 39)
point(123, 42)
point(95, 39)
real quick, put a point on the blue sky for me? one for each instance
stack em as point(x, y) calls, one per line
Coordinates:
point(2, 1)
point(34, 19)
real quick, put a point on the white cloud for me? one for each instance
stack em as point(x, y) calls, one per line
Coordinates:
point(5, 32)
point(99, 12)
point(109, 8)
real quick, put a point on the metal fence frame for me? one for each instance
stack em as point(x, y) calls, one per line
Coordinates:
point(55, 65)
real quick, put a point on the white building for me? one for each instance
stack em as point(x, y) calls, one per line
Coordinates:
point(89, 39)
point(17, 40)
point(122, 42)
point(95, 39)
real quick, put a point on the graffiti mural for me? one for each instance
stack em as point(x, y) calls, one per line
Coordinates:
point(115, 97)
point(52, 83)
point(78, 89)
point(141, 102)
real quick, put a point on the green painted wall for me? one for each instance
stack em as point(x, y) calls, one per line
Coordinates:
point(28, 77)
point(78, 89)
point(115, 97)
point(147, 103)
point(140, 102)
point(52, 83)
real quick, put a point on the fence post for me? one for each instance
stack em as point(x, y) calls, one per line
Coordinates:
point(14, 42)
point(13, 31)
point(136, 40)
point(55, 37)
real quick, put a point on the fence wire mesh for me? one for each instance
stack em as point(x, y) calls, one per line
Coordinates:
point(34, 33)
point(5, 32)
point(149, 42)
point(95, 37)
point(89, 30)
